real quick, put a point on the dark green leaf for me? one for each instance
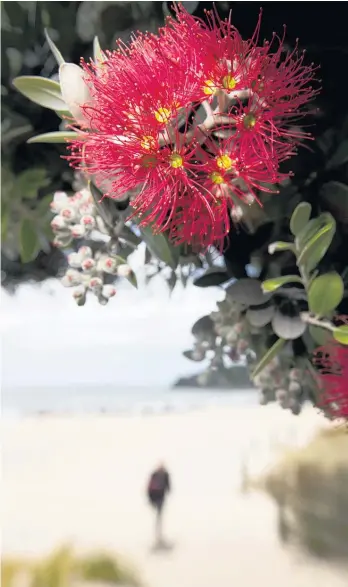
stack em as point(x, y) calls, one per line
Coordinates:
point(132, 279)
point(54, 137)
point(340, 334)
point(340, 157)
point(203, 326)
point(40, 90)
point(300, 217)
point(325, 293)
point(335, 195)
point(311, 229)
point(161, 247)
point(57, 54)
point(260, 317)
point(29, 183)
point(211, 277)
point(276, 282)
point(248, 292)
point(267, 358)
point(288, 327)
point(317, 246)
point(28, 240)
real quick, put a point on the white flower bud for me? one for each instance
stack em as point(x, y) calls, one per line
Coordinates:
point(58, 223)
point(95, 284)
point(74, 89)
point(107, 264)
point(237, 213)
point(71, 277)
point(88, 264)
point(78, 231)
point(124, 270)
point(108, 291)
point(68, 214)
point(86, 209)
point(60, 200)
point(88, 221)
point(295, 374)
point(79, 292)
point(74, 260)
point(84, 196)
point(85, 252)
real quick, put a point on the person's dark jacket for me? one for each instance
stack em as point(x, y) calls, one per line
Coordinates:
point(158, 486)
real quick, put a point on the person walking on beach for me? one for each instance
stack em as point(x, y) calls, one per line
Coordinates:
point(157, 489)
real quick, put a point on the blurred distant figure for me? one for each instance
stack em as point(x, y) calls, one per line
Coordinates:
point(157, 489)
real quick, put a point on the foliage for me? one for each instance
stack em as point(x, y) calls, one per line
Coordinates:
point(63, 568)
point(309, 485)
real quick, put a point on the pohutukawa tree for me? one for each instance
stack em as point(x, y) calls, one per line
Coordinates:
point(187, 132)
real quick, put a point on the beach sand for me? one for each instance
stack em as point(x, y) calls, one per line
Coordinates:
point(81, 480)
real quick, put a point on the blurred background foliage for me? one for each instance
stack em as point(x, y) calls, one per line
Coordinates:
point(309, 486)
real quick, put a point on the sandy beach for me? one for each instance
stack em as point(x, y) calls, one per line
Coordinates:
point(81, 480)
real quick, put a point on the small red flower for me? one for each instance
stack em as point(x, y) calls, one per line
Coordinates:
point(331, 362)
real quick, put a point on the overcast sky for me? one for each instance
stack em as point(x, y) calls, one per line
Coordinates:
point(137, 339)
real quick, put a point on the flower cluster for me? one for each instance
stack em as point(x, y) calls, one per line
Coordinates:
point(75, 218)
point(331, 362)
point(142, 128)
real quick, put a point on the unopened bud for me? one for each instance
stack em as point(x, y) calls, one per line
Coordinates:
point(108, 291)
point(295, 374)
point(107, 264)
point(86, 209)
point(71, 277)
point(74, 260)
point(88, 221)
point(79, 292)
point(78, 231)
point(60, 200)
point(85, 252)
point(124, 270)
point(95, 284)
point(68, 214)
point(58, 223)
point(88, 264)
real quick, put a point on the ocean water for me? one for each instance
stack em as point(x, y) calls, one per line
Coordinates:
point(88, 399)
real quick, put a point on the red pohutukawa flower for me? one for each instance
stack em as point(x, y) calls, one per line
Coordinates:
point(190, 121)
point(331, 362)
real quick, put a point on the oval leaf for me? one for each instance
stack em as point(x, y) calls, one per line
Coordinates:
point(267, 358)
point(29, 242)
point(54, 137)
point(212, 276)
point(276, 282)
point(248, 292)
point(341, 334)
point(40, 90)
point(160, 247)
point(57, 54)
point(300, 217)
point(311, 229)
point(204, 325)
point(260, 318)
point(335, 194)
point(288, 327)
point(325, 293)
point(317, 246)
